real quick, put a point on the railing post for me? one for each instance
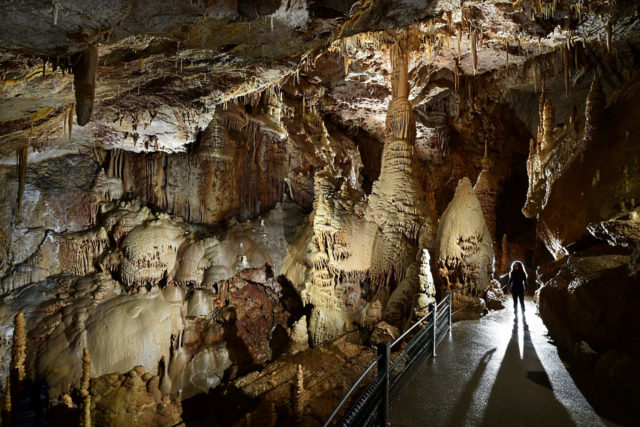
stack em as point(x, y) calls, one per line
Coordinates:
point(435, 326)
point(384, 350)
point(450, 297)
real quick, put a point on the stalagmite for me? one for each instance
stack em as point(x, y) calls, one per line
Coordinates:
point(486, 189)
point(548, 124)
point(464, 244)
point(19, 350)
point(84, 81)
point(84, 388)
point(298, 396)
point(474, 52)
point(596, 103)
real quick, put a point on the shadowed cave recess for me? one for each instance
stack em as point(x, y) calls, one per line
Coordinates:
point(210, 211)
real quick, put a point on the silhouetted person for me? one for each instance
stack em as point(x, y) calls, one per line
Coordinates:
point(517, 284)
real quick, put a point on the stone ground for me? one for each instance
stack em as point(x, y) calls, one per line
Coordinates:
point(499, 370)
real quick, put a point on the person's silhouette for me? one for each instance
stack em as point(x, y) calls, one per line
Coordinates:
point(517, 285)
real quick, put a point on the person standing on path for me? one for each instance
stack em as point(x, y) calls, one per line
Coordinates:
point(518, 285)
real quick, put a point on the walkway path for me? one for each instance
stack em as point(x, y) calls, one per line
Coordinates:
point(498, 371)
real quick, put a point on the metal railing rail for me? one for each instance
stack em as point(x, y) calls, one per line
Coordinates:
point(373, 405)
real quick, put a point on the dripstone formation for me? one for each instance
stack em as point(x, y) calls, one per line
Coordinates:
point(211, 211)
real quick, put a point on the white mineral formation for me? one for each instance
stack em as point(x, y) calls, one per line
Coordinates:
point(120, 331)
point(348, 241)
point(464, 244)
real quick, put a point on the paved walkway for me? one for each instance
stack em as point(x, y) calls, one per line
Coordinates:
point(498, 371)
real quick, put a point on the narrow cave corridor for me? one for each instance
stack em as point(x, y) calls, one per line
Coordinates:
point(270, 213)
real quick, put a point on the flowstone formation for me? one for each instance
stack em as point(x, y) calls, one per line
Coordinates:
point(464, 248)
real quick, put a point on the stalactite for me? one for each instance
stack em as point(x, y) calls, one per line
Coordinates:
point(56, 9)
point(535, 79)
point(474, 52)
point(84, 388)
point(22, 177)
point(456, 76)
point(608, 30)
point(84, 80)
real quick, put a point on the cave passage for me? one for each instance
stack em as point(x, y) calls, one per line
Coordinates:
point(499, 370)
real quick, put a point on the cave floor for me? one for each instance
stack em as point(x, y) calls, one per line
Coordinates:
point(496, 371)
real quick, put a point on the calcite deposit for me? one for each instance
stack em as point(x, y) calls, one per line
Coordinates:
point(210, 210)
point(464, 246)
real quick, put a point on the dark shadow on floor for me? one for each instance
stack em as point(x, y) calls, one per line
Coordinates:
point(522, 390)
point(459, 413)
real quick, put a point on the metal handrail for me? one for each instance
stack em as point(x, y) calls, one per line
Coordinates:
point(422, 319)
point(353, 387)
point(384, 372)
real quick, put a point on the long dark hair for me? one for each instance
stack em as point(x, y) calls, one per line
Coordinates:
point(520, 269)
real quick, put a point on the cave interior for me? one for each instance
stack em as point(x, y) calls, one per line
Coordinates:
point(211, 210)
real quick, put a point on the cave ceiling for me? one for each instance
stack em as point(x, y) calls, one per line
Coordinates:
point(163, 69)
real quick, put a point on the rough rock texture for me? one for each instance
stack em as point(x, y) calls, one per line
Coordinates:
point(589, 308)
point(158, 159)
point(131, 399)
point(494, 296)
point(599, 170)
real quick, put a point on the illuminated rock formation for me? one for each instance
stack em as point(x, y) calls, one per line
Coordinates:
point(486, 189)
point(349, 240)
point(84, 389)
point(219, 200)
point(397, 203)
point(464, 244)
point(338, 257)
point(132, 398)
point(600, 191)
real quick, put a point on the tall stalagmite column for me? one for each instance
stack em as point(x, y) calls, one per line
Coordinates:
point(397, 203)
point(84, 389)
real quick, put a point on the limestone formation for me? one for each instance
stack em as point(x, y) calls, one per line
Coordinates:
point(84, 389)
point(298, 396)
point(464, 244)
point(486, 189)
point(132, 398)
point(84, 82)
point(229, 202)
